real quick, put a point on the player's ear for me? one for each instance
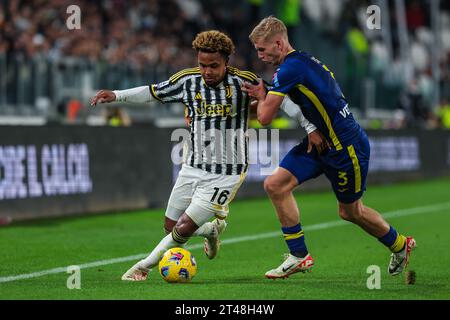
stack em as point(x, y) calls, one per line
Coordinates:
point(278, 43)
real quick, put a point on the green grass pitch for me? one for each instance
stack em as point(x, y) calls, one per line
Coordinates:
point(252, 244)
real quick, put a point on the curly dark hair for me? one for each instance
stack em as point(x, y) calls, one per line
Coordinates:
point(213, 41)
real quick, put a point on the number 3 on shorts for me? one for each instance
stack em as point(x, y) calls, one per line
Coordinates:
point(222, 198)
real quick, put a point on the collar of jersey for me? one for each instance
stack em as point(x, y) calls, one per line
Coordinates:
point(217, 85)
point(293, 50)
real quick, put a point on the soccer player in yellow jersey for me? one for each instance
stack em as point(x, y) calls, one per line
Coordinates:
point(312, 86)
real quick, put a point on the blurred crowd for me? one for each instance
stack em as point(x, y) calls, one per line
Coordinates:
point(411, 69)
point(160, 32)
point(140, 33)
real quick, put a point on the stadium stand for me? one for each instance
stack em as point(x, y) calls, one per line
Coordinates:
point(44, 66)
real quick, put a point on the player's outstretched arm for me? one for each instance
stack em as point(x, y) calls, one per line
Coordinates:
point(134, 95)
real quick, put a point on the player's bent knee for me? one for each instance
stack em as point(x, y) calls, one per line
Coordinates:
point(185, 226)
point(350, 212)
point(280, 183)
point(168, 225)
point(268, 186)
point(344, 215)
point(274, 186)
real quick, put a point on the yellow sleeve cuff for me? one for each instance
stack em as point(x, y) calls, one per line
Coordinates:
point(277, 93)
point(152, 91)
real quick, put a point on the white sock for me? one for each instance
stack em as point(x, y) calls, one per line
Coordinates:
point(153, 258)
point(205, 230)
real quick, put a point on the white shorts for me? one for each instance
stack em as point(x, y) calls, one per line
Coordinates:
point(202, 195)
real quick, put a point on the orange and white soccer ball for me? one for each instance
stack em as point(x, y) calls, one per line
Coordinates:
point(177, 265)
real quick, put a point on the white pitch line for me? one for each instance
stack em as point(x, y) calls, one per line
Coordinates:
point(314, 227)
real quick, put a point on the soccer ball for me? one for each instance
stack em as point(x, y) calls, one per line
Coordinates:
point(177, 265)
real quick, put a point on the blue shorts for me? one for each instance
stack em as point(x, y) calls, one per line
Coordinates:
point(346, 169)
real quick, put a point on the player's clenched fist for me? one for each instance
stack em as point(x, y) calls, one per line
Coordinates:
point(255, 91)
point(103, 96)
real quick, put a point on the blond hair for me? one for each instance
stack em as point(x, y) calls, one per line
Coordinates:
point(213, 41)
point(267, 28)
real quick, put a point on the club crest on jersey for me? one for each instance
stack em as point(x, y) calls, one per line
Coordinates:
point(228, 91)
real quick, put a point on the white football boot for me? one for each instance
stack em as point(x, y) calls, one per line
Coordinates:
point(136, 273)
point(291, 265)
point(212, 243)
point(399, 260)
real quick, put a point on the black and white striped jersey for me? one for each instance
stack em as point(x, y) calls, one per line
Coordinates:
point(219, 118)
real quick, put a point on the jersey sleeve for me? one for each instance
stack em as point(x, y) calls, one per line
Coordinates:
point(254, 79)
point(285, 79)
point(244, 75)
point(171, 90)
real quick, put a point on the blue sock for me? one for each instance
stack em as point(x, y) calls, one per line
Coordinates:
point(295, 239)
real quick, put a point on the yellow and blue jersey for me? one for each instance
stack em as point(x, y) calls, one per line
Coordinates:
point(310, 84)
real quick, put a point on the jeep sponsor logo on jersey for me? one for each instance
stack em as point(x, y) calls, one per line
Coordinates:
point(214, 110)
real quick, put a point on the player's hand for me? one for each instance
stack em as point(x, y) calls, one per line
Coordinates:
point(255, 91)
point(103, 96)
point(187, 120)
point(316, 139)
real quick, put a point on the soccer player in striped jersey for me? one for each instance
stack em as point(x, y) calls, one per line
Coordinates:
point(217, 112)
point(312, 86)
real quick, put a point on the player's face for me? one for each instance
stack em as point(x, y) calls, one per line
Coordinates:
point(213, 67)
point(268, 52)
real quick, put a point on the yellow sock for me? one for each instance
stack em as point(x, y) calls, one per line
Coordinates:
point(398, 244)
